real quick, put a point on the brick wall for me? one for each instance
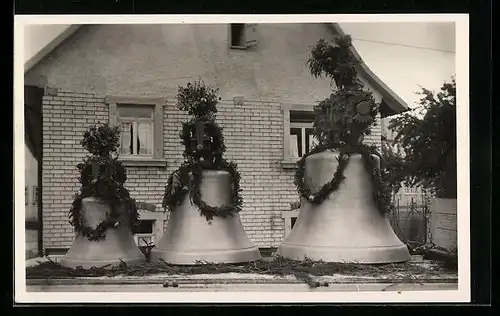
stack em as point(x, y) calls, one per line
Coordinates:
point(65, 118)
point(254, 138)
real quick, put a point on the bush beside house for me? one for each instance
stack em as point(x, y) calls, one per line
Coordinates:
point(426, 156)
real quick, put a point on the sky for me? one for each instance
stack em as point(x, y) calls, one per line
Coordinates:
point(404, 55)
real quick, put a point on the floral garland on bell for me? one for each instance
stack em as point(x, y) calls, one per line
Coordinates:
point(111, 221)
point(329, 187)
point(381, 192)
point(187, 180)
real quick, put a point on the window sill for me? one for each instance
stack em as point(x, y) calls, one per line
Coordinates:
point(289, 164)
point(145, 162)
point(238, 47)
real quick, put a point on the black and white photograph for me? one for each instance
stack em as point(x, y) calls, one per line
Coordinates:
point(242, 158)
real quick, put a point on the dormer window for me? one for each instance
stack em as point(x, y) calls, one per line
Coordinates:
point(242, 36)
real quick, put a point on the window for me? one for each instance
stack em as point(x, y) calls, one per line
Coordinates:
point(237, 35)
point(141, 123)
point(298, 138)
point(35, 195)
point(137, 129)
point(290, 218)
point(301, 138)
point(143, 234)
point(150, 229)
point(242, 36)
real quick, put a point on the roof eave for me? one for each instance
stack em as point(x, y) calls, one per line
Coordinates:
point(50, 47)
point(396, 104)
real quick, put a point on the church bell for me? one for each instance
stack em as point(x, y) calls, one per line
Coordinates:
point(189, 238)
point(347, 226)
point(118, 245)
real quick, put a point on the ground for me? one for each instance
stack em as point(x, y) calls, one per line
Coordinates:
point(274, 274)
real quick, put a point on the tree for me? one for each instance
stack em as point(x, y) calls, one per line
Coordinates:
point(428, 144)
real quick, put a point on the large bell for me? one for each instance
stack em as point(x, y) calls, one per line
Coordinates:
point(189, 237)
point(118, 245)
point(346, 227)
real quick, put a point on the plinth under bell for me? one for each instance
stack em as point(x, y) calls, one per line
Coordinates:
point(189, 237)
point(347, 226)
point(118, 245)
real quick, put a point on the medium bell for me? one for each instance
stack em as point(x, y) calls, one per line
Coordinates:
point(116, 247)
point(189, 237)
point(347, 226)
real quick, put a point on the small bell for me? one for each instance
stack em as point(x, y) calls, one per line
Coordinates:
point(202, 159)
point(311, 197)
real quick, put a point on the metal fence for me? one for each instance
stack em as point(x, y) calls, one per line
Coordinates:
point(410, 218)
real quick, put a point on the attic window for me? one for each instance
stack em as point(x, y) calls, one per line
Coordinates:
point(237, 35)
point(242, 36)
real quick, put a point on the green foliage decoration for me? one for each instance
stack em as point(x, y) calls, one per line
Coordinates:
point(341, 121)
point(102, 176)
point(200, 102)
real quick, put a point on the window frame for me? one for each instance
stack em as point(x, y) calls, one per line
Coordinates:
point(287, 217)
point(288, 161)
point(244, 42)
point(158, 218)
point(135, 123)
point(157, 159)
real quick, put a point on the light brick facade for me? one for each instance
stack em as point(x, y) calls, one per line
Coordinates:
point(254, 138)
point(84, 72)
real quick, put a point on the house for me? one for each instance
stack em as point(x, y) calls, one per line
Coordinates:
point(129, 74)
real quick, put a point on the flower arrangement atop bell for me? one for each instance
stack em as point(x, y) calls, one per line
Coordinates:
point(102, 213)
point(207, 185)
point(344, 199)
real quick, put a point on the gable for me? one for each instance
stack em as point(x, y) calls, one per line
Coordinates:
point(154, 60)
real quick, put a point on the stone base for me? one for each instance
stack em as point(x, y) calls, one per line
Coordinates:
point(214, 256)
point(367, 255)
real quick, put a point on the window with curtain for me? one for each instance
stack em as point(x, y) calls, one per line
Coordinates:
point(301, 138)
point(137, 129)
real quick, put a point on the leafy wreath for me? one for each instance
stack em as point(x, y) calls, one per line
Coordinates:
point(102, 176)
point(187, 180)
point(381, 192)
point(329, 187)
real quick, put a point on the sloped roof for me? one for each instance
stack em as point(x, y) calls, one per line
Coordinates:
point(391, 102)
point(50, 46)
